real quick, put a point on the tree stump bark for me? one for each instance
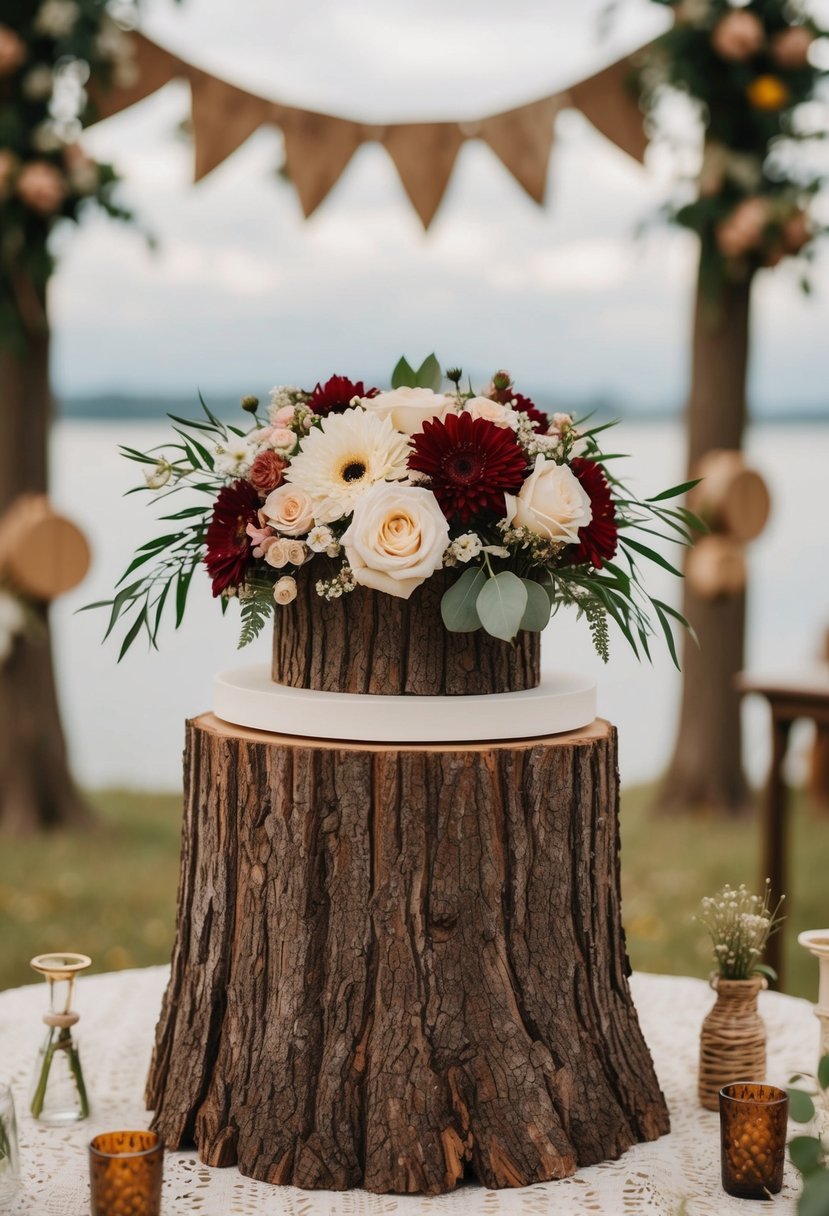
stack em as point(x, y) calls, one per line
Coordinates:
point(368, 642)
point(396, 966)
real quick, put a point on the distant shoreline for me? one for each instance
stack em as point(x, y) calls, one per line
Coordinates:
point(119, 407)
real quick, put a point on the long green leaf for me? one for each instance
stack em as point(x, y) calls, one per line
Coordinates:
point(674, 491)
point(651, 555)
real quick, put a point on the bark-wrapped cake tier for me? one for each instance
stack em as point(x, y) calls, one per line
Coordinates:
point(396, 966)
point(370, 642)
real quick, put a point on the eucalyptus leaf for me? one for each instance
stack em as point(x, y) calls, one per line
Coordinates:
point(429, 374)
point(537, 613)
point(458, 604)
point(501, 604)
point(801, 1106)
point(404, 375)
point(806, 1153)
point(823, 1072)
point(815, 1198)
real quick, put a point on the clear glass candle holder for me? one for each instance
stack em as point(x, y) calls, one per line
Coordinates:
point(59, 1090)
point(753, 1119)
point(125, 1174)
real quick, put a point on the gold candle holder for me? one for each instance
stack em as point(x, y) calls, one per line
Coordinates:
point(125, 1173)
point(59, 1091)
point(753, 1119)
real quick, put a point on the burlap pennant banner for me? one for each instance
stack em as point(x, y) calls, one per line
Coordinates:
point(223, 118)
point(424, 154)
point(146, 68)
point(608, 101)
point(318, 147)
point(522, 140)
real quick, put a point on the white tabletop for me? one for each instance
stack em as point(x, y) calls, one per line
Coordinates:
point(118, 1014)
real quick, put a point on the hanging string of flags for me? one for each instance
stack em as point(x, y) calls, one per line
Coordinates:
point(318, 147)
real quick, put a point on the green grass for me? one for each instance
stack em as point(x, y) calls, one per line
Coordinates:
point(111, 892)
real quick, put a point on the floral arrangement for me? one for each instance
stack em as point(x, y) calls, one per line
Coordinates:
point(48, 52)
point(740, 924)
point(810, 1153)
point(350, 486)
point(750, 71)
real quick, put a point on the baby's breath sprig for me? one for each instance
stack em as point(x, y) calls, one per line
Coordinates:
point(740, 925)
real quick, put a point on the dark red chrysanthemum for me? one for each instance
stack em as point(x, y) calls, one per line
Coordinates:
point(470, 462)
point(598, 541)
point(504, 391)
point(337, 394)
point(228, 544)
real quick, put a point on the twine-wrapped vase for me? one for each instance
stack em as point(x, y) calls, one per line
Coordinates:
point(732, 1043)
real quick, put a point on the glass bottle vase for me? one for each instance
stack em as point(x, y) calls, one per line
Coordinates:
point(59, 1091)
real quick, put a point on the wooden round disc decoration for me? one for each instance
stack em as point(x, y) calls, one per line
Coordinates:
point(731, 497)
point(42, 553)
point(716, 568)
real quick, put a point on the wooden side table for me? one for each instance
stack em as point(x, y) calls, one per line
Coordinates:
point(789, 698)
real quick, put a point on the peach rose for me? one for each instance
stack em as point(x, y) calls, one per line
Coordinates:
point(12, 51)
point(284, 591)
point(796, 232)
point(743, 229)
point(41, 187)
point(551, 503)
point(289, 510)
point(738, 36)
point(276, 552)
point(408, 408)
point(790, 48)
point(396, 538)
point(493, 411)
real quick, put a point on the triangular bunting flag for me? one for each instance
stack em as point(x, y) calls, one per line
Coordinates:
point(223, 118)
point(424, 155)
point(522, 139)
point(145, 69)
point(317, 149)
point(608, 102)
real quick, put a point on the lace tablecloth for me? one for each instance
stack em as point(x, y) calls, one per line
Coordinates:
point(118, 1013)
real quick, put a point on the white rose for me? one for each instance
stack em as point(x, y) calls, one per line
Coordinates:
point(552, 503)
point(493, 411)
point(289, 510)
point(409, 408)
point(396, 538)
point(284, 590)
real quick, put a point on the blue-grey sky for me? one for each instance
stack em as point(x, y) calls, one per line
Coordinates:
point(244, 293)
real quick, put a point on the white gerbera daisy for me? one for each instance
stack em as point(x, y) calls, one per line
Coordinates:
point(344, 457)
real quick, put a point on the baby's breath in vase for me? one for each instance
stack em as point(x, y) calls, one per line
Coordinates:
point(733, 1037)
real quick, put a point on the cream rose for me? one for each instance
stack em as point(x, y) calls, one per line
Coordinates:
point(289, 510)
point(284, 590)
point(493, 411)
point(409, 408)
point(396, 539)
point(552, 503)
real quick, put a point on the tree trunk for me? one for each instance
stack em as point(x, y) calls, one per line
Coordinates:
point(706, 770)
point(368, 642)
point(36, 789)
point(396, 966)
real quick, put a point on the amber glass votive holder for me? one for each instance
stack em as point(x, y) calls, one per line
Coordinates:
point(125, 1171)
point(753, 1121)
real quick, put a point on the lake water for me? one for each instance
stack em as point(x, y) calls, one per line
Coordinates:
point(125, 722)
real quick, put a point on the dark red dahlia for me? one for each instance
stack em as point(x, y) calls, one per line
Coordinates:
point(470, 462)
point(599, 540)
point(228, 544)
point(337, 394)
point(503, 391)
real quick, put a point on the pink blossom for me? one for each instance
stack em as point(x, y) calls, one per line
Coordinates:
point(260, 538)
point(790, 48)
point(12, 51)
point(738, 36)
point(41, 187)
point(285, 415)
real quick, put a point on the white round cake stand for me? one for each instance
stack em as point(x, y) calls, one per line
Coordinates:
point(247, 696)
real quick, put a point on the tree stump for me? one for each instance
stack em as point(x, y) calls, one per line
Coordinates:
point(396, 966)
point(368, 642)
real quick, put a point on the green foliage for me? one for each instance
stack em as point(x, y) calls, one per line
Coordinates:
point(256, 611)
point(458, 607)
point(762, 137)
point(428, 375)
point(501, 604)
point(808, 1153)
point(44, 106)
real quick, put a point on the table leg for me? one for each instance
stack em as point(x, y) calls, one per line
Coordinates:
point(774, 832)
